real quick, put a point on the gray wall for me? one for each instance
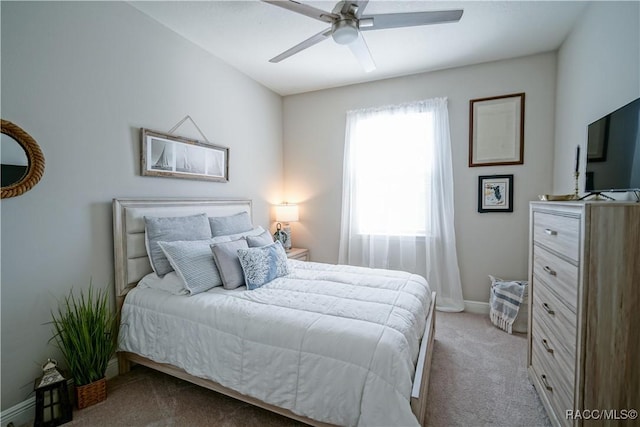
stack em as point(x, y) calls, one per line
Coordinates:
point(490, 243)
point(82, 78)
point(598, 72)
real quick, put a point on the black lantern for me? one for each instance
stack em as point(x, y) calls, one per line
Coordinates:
point(53, 406)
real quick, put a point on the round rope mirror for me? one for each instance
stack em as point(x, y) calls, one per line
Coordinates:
point(20, 178)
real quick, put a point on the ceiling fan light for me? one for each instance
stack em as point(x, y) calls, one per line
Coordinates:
point(345, 31)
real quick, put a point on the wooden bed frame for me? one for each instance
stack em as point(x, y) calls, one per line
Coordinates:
point(131, 264)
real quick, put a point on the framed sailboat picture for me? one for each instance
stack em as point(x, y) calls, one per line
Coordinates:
point(178, 157)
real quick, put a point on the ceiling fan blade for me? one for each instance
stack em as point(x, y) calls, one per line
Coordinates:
point(301, 46)
point(303, 9)
point(360, 50)
point(397, 20)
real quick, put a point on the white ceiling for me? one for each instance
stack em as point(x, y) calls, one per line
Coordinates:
point(246, 34)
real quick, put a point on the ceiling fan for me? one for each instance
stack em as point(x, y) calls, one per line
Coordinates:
point(347, 21)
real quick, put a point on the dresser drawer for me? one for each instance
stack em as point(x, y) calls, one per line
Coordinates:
point(559, 275)
point(557, 391)
point(559, 233)
point(555, 349)
point(557, 318)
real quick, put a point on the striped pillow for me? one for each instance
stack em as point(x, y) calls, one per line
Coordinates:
point(193, 262)
point(171, 229)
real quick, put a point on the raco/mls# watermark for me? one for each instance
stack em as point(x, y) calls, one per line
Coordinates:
point(601, 414)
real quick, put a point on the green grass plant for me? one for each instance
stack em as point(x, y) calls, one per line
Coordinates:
point(85, 330)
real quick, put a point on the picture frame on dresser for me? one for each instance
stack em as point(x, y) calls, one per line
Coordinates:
point(495, 193)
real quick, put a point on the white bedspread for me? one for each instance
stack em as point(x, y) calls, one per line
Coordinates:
point(334, 343)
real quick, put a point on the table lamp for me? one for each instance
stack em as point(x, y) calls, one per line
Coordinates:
point(285, 213)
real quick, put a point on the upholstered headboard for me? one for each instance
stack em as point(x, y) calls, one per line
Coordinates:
point(130, 253)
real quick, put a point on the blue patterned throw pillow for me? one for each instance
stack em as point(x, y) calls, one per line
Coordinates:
point(262, 265)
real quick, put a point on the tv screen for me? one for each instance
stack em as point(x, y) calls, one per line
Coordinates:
point(613, 151)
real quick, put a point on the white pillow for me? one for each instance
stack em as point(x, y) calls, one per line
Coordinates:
point(170, 282)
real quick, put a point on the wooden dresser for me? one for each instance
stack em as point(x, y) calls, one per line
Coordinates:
point(584, 309)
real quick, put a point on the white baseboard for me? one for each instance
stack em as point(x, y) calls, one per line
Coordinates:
point(476, 307)
point(22, 413)
point(25, 411)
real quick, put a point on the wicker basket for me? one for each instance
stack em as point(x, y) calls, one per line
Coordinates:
point(90, 394)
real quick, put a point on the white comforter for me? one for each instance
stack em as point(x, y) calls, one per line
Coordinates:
point(334, 343)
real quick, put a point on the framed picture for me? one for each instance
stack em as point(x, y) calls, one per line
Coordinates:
point(598, 139)
point(496, 130)
point(495, 193)
point(177, 157)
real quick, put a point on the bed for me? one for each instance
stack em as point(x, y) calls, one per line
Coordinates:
point(324, 345)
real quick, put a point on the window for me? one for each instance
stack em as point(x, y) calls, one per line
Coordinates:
point(391, 161)
point(397, 195)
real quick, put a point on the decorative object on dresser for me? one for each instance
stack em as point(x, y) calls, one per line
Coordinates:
point(557, 197)
point(85, 332)
point(576, 174)
point(567, 197)
point(298, 253)
point(496, 130)
point(495, 193)
point(582, 344)
point(285, 213)
point(22, 161)
point(174, 156)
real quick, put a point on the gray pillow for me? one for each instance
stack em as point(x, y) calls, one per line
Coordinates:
point(171, 229)
point(263, 239)
point(193, 262)
point(232, 224)
point(262, 265)
point(226, 257)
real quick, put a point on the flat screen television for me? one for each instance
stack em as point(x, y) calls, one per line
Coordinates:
point(613, 151)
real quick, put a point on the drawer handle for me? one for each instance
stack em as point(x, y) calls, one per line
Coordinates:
point(545, 383)
point(547, 308)
point(549, 270)
point(545, 344)
point(550, 232)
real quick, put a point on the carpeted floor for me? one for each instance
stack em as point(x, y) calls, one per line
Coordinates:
point(478, 378)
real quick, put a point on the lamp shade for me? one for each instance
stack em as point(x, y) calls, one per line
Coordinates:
point(286, 213)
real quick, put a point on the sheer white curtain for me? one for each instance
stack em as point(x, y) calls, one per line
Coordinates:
point(397, 198)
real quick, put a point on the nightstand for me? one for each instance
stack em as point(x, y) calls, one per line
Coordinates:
point(298, 253)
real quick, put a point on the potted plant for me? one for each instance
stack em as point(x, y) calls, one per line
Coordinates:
point(85, 330)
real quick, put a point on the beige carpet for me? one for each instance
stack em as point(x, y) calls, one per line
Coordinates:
point(478, 378)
